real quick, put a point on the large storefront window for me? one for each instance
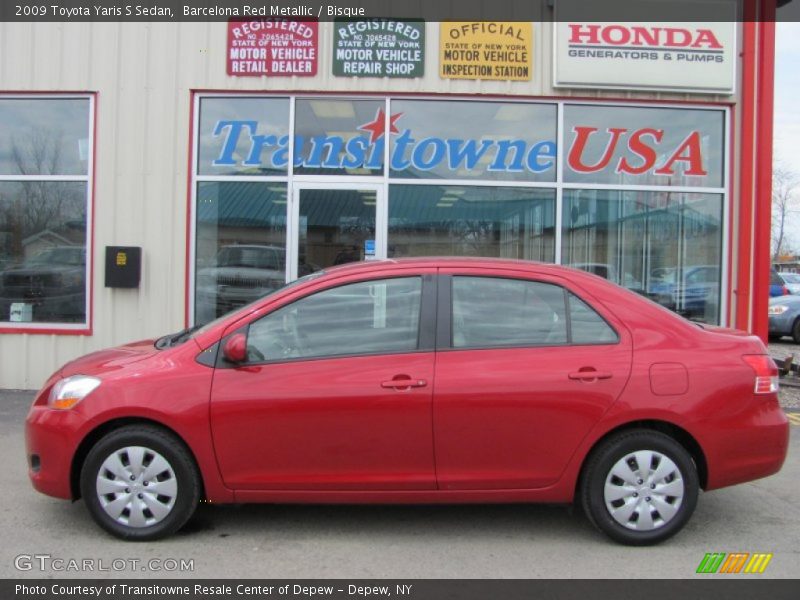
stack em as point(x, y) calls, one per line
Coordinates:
point(429, 220)
point(636, 194)
point(244, 136)
point(339, 137)
point(241, 244)
point(43, 218)
point(666, 246)
point(644, 146)
point(474, 140)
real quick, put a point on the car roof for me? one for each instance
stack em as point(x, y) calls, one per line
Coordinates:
point(457, 262)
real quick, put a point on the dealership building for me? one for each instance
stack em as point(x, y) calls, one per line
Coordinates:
point(155, 175)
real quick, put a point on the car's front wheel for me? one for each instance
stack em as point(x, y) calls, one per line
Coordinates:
point(796, 331)
point(639, 487)
point(140, 483)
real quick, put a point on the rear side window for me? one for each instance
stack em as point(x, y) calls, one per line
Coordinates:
point(775, 279)
point(587, 326)
point(369, 317)
point(492, 312)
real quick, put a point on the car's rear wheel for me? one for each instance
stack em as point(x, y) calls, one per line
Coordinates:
point(140, 483)
point(639, 487)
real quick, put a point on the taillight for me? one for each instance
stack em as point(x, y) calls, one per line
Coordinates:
point(786, 291)
point(766, 373)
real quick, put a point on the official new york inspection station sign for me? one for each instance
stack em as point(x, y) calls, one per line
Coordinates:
point(491, 50)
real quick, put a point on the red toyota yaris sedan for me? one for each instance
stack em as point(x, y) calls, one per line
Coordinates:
point(428, 380)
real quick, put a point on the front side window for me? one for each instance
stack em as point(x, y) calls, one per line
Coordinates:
point(371, 317)
point(43, 214)
point(491, 312)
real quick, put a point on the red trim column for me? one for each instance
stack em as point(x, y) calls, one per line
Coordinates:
point(742, 238)
point(752, 237)
point(763, 183)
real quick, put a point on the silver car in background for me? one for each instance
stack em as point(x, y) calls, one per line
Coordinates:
point(784, 317)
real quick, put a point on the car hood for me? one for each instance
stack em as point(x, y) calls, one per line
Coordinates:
point(39, 269)
point(241, 272)
point(111, 359)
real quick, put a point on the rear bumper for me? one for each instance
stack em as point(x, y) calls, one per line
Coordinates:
point(748, 445)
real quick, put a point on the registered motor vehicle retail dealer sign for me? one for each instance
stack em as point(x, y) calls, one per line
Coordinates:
point(272, 47)
point(692, 57)
point(486, 50)
point(378, 48)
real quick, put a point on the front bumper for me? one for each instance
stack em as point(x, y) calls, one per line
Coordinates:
point(51, 439)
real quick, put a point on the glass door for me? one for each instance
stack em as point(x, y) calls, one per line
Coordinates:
point(334, 224)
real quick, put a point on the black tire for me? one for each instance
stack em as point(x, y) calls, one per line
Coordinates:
point(775, 337)
point(598, 468)
point(796, 331)
point(188, 490)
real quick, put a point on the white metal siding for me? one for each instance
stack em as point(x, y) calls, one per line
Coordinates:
point(144, 74)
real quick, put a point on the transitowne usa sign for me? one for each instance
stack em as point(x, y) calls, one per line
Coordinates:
point(695, 57)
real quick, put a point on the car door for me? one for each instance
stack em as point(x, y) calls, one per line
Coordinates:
point(336, 392)
point(524, 369)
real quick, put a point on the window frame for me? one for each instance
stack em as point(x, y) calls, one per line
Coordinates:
point(444, 328)
point(84, 328)
point(425, 325)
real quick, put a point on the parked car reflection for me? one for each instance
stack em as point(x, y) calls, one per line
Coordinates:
point(240, 274)
point(609, 272)
point(695, 295)
point(52, 281)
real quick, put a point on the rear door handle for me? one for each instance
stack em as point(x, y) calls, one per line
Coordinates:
point(588, 375)
point(404, 383)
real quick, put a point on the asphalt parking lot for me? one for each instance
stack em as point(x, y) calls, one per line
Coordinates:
point(512, 541)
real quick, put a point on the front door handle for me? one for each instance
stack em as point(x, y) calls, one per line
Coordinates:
point(589, 374)
point(403, 382)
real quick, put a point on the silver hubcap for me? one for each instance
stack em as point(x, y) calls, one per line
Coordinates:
point(644, 490)
point(136, 486)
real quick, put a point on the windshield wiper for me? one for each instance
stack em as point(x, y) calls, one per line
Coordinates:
point(174, 339)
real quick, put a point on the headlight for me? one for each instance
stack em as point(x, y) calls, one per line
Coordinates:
point(778, 309)
point(71, 390)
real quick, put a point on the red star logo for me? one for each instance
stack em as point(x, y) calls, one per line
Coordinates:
point(378, 127)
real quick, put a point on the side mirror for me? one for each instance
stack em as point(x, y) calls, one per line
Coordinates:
point(235, 348)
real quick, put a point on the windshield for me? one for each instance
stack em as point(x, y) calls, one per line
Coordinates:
point(58, 256)
point(251, 257)
point(791, 277)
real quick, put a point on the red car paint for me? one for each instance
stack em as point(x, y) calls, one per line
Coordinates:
point(485, 425)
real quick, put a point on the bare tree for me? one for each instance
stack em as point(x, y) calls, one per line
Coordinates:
point(28, 207)
point(784, 200)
